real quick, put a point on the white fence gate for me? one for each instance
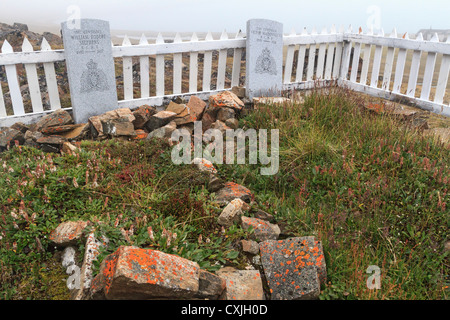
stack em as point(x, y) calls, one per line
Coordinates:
point(352, 59)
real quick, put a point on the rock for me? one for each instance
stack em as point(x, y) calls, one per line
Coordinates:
point(159, 120)
point(20, 26)
point(447, 246)
point(90, 255)
point(98, 121)
point(270, 100)
point(239, 92)
point(250, 246)
point(294, 267)
point(142, 115)
point(242, 284)
point(232, 123)
point(197, 107)
point(20, 126)
point(33, 135)
point(231, 213)
point(184, 114)
point(418, 124)
point(59, 117)
point(51, 143)
point(231, 191)
point(209, 117)
point(263, 215)
point(225, 114)
point(68, 233)
point(8, 137)
point(263, 230)
point(133, 273)
point(219, 125)
point(215, 183)
point(140, 134)
point(211, 286)
point(121, 127)
point(78, 132)
point(204, 165)
point(163, 132)
point(226, 99)
point(68, 148)
point(59, 129)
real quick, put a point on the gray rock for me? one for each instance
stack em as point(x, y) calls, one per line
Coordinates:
point(263, 230)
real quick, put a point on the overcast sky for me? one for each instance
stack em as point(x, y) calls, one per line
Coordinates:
point(217, 15)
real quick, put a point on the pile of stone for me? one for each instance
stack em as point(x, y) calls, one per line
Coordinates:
point(293, 268)
point(55, 129)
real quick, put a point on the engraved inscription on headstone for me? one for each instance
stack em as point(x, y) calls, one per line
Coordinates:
point(264, 58)
point(90, 68)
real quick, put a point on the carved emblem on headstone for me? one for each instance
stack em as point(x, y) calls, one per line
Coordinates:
point(93, 79)
point(266, 63)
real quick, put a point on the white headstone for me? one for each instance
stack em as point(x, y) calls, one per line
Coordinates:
point(264, 58)
point(90, 68)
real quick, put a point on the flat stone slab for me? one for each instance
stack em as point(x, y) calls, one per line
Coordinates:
point(294, 267)
point(263, 230)
point(242, 284)
point(231, 191)
point(68, 233)
point(134, 273)
point(271, 100)
point(226, 99)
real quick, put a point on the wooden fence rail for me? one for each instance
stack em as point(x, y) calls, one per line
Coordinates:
point(383, 66)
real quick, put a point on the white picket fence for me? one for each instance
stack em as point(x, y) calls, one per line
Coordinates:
point(311, 59)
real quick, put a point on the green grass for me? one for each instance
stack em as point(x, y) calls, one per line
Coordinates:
point(373, 191)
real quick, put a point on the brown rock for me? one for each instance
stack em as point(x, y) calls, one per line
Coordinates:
point(209, 117)
point(8, 137)
point(231, 191)
point(20, 126)
point(250, 246)
point(67, 233)
point(226, 99)
point(232, 123)
point(242, 284)
point(238, 91)
point(211, 286)
point(133, 273)
point(159, 120)
point(77, 133)
point(59, 117)
point(263, 230)
point(58, 129)
point(225, 113)
point(118, 127)
point(68, 148)
point(197, 107)
point(142, 115)
point(56, 140)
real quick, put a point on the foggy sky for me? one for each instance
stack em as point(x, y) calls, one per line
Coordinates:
point(231, 15)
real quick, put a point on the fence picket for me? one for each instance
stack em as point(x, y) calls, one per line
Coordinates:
point(2, 104)
point(301, 59)
point(177, 67)
point(127, 72)
point(376, 63)
point(222, 64)
point(429, 71)
point(443, 77)
point(13, 82)
point(50, 77)
point(289, 60)
point(338, 56)
point(311, 59)
point(346, 51)
point(366, 60)
point(400, 68)
point(237, 58)
point(193, 67)
point(414, 71)
point(32, 79)
point(144, 67)
point(389, 63)
point(160, 66)
point(355, 62)
point(207, 66)
point(321, 58)
point(330, 55)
